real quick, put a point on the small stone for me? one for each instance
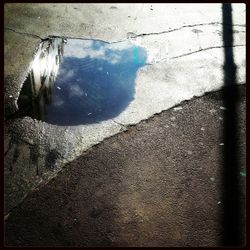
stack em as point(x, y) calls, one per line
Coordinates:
point(221, 144)
point(220, 118)
point(177, 108)
point(212, 179)
point(173, 118)
point(89, 113)
point(219, 202)
point(58, 87)
point(222, 108)
point(10, 96)
point(202, 129)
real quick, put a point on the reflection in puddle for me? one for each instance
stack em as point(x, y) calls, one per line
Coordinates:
point(80, 81)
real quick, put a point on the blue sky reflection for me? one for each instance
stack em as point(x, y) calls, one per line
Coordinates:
point(95, 81)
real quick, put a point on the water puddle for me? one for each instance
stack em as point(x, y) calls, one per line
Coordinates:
point(78, 81)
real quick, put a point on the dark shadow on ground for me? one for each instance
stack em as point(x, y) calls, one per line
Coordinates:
point(233, 234)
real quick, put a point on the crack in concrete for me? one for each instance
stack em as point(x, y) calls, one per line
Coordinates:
point(186, 26)
point(25, 33)
point(120, 124)
point(208, 48)
point(139, 35)
point(80, 38)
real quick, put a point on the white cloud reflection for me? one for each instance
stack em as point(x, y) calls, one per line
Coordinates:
point(75, 90)
point(96, 50)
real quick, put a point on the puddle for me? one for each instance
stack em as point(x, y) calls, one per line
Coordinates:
point(78, 81)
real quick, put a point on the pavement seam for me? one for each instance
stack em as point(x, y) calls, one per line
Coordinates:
point(24, 33)
point(208, 48)
point(189, 26)
point(134, 36)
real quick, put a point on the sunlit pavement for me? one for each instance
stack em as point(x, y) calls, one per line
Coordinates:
point(128, 188)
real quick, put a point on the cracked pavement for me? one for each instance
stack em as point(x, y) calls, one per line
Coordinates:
point(185, 60)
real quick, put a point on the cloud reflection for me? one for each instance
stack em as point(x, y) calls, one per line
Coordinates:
point(110, 52)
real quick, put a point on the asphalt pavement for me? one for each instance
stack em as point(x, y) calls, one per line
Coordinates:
point(160, 183)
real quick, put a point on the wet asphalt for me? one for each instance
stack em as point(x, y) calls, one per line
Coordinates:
point(160, 183)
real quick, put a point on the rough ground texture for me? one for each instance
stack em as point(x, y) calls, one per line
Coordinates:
point(158, 184)
point(185, 48)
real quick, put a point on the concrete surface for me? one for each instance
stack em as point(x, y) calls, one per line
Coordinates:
point(174, 30)
point(160, 183)
point(185, 59)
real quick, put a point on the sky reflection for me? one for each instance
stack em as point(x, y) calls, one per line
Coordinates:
point(95, 81)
